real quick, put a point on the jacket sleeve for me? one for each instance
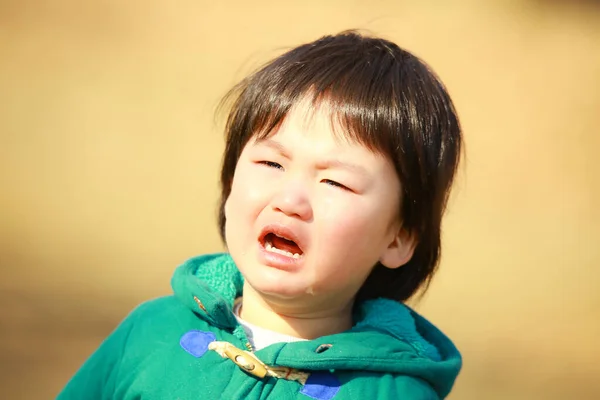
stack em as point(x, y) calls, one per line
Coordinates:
point(97, 377)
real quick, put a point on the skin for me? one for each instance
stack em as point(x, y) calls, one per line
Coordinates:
point(341, 200)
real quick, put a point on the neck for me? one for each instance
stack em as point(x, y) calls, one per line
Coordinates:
point(289, 319)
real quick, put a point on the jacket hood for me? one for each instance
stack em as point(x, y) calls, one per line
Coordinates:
point(387, 336)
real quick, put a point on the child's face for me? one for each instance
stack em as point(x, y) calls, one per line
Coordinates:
point(290, 185)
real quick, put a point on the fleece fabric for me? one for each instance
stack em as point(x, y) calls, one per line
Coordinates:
point(165, 349)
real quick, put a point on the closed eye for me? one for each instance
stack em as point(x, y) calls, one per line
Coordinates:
point(336, 184)
point(271, 164)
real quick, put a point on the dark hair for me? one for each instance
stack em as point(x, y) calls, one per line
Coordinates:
point(386, 99)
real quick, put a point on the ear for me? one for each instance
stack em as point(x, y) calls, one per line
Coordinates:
point(399, 251)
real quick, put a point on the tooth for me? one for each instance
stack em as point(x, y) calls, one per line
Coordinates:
point(270, 248)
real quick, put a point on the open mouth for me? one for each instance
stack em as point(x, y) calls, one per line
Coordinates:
point(279, 244)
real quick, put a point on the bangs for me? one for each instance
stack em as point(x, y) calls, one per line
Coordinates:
point(356, 85)
point(346, 127)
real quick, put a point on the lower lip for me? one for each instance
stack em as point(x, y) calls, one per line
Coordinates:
point(278, 261)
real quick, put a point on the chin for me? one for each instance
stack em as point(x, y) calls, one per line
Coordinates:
point(279, 287)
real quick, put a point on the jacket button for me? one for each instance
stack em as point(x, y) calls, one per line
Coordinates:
point(242, 362)
point(243, 359)
point(197, 300)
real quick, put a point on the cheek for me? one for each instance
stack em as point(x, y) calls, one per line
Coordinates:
point(241, 211)
point(347, 247)
point(357, 227)
point(247, 197)
point(347, 225)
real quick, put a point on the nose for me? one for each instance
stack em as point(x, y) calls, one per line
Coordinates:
point(293, 201)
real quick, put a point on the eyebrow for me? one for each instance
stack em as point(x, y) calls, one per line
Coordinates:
point(338, 164)
point(275, 145)
point(332, 163)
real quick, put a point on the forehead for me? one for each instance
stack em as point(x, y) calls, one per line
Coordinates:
point(315, 135)
point(312, 122)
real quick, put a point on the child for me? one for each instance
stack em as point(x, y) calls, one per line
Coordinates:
point(339, 159)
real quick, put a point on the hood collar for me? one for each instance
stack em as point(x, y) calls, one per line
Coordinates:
point(209, 285)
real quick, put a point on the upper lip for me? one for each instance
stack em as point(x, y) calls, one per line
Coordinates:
point(285, 232)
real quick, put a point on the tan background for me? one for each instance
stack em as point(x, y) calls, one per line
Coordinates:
point(109, 156)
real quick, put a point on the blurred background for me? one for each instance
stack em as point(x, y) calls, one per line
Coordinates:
point(109, 160)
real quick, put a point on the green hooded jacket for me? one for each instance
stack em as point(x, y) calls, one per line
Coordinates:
point(190, 346)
